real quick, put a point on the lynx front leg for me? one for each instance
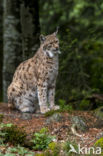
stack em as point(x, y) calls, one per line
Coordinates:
point(42, 98)
point(51, 98)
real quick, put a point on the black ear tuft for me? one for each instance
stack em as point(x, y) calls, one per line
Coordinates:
point(56, 30)
point(42, 38)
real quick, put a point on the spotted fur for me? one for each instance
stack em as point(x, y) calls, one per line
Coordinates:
point(35, 79)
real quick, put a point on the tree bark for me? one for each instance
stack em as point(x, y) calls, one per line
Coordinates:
point(12, 42)
point(30, 27)
point(19, 17)
point(1, 46)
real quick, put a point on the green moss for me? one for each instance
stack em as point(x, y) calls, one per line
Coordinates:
point(99, 143)
point(52, 145)
point(54, 148)
point(51, 112)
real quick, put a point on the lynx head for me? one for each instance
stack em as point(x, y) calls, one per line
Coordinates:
point(50, 44)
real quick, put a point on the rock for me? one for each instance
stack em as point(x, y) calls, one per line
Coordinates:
point(26, 116)
point(57, 117)
point(98, 124)
point(79, 123)
point(28, 143)
point(99, 113)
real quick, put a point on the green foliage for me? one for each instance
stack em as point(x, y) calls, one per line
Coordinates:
point(81, 44)
point(79, 72)
point(2, 125)
point(87, 14)
point(3, 134)
point(51, 112)
point(13, 134)
point(72, 77)
point(64, 107)
point(1, 117)
point(99, 143)
point(84, 104)
point(52, 150)
point(62, 102)
point(42, 139)
point(67, 148)
point(2, 137)
point(20, 150)
point(57, 14)
point(8, 154)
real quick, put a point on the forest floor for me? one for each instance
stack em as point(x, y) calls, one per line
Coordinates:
point(62, 129)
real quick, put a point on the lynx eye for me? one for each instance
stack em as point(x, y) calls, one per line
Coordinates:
point(49, 46)
point(56, 41)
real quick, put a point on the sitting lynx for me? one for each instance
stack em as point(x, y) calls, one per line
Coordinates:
point(35, 79)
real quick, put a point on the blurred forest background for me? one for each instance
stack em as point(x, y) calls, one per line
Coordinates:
point(80, 79)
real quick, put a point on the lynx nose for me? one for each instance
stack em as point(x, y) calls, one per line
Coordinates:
point(57, 48)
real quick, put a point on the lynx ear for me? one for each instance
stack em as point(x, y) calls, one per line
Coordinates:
point(42, 38)
point(56, 30)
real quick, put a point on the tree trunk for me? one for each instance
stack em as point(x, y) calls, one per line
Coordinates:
point(30, 27)
point(1, 46)
point(12, 42)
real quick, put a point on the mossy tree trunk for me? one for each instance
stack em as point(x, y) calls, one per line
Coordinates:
point(30, 27)
point(1, 46)
point(19, 16)
point(12, 42)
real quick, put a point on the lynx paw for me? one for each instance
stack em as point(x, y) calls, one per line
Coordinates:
point(44, 110)
point(55, 107)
